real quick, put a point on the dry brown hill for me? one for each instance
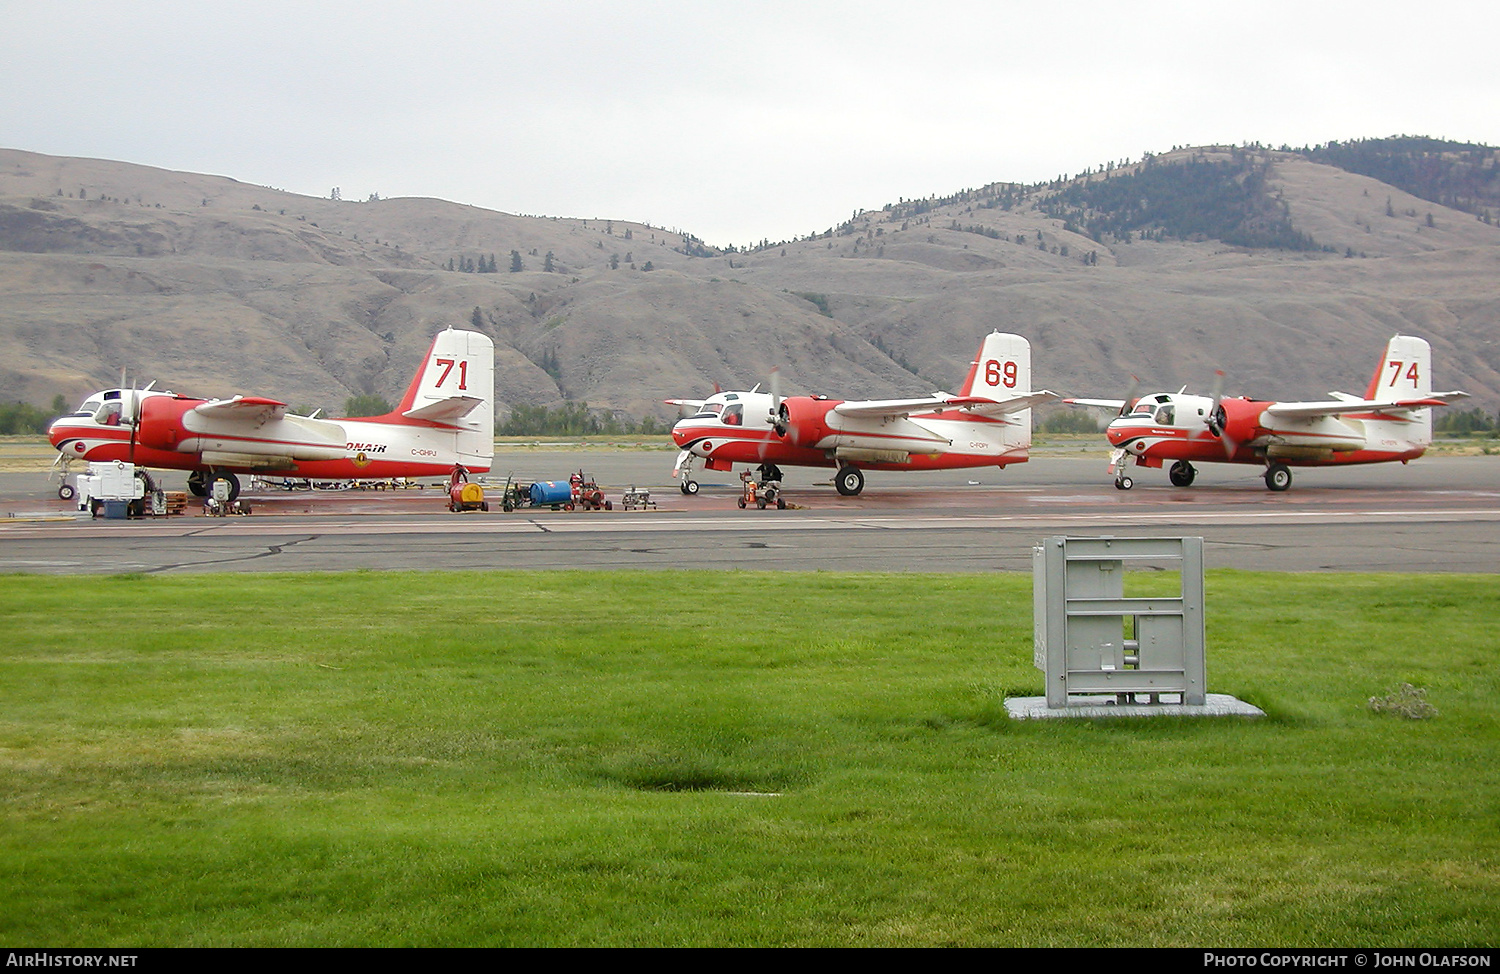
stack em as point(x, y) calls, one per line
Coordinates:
point(211, 286)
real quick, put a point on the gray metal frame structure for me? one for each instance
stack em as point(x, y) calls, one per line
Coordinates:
point(1080, 616)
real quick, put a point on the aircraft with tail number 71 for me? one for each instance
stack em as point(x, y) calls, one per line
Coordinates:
point(987, 423)
point(1392, 422)
point(445, 418)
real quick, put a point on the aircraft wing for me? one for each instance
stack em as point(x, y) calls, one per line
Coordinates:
point(449, 410)
point(253, 410)
point(898, 408)
point(1343, 404)
point(1112, 404)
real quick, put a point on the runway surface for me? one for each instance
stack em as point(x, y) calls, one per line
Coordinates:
point(1438, 514)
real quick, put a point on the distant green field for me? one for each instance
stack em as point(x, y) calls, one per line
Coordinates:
point(732, 758)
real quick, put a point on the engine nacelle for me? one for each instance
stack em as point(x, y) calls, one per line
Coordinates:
point(160, 426)
point(1238, 420)
point(803, 420)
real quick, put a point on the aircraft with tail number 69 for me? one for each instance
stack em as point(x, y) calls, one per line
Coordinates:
point(446, 417)
point(1393, 421)
point(986, 424)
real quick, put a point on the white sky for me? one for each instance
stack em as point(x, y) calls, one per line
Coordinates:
point(733, 121)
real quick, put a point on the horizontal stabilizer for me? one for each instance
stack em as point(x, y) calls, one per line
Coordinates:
point(448, 411)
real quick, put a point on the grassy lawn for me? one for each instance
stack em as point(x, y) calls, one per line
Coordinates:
point(728, 759)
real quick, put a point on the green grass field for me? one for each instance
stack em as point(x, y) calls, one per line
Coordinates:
point(729, 759)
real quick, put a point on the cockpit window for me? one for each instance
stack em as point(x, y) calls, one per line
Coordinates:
point(1164, 415)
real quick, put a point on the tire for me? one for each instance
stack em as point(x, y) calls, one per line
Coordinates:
point(780, 504)
point(761, 503)
point(484, 506)
point(66, 492)
point(690, 487)
point(1278, 477)
point(849, 481)
point(1182, 474)
point(742, 503)
point(1124, 483)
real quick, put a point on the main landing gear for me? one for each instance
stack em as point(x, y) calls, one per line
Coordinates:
point(849, 481)
point(1278, 477)
point(201, 483)
point(1182, 474)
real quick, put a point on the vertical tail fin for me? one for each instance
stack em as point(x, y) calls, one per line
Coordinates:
point(455, 386)
point(1002, 370)
point(1404, 373)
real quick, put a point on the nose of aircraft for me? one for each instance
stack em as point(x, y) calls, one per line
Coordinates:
point(680, 434)
point(55, 432)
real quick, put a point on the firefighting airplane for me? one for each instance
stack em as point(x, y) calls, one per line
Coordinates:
point(445, 418)
point(1392, 422)
point(986, 424)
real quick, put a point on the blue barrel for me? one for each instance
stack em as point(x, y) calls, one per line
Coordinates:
point(545, 492)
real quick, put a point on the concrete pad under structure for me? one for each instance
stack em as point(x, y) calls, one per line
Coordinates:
point(1215, 705)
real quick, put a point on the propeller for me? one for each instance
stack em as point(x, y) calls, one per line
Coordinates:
point(1218, 421)
point(775, 419)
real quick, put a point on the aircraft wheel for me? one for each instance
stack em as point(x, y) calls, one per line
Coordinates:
point(66, 492)
point(1124, 483)
point(197, 484)
point(689, 487)
point(849, 481)
point(1182, 474)
point(1278, 477)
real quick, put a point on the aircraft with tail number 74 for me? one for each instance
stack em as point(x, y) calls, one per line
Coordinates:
point(987, 423)
point(1392, 422)
point(445, 418)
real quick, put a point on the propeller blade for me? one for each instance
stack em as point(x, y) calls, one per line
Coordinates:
point(1130, 391)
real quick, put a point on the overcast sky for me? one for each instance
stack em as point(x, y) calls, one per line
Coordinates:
point(733, 121)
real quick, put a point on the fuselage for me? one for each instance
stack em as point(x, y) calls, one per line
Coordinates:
point(171, 436)
point(1167, 426)
point(736, 427)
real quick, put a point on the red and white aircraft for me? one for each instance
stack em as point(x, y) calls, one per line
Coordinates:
point(445, 418)
point(1392, 422)
point(986, 424)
